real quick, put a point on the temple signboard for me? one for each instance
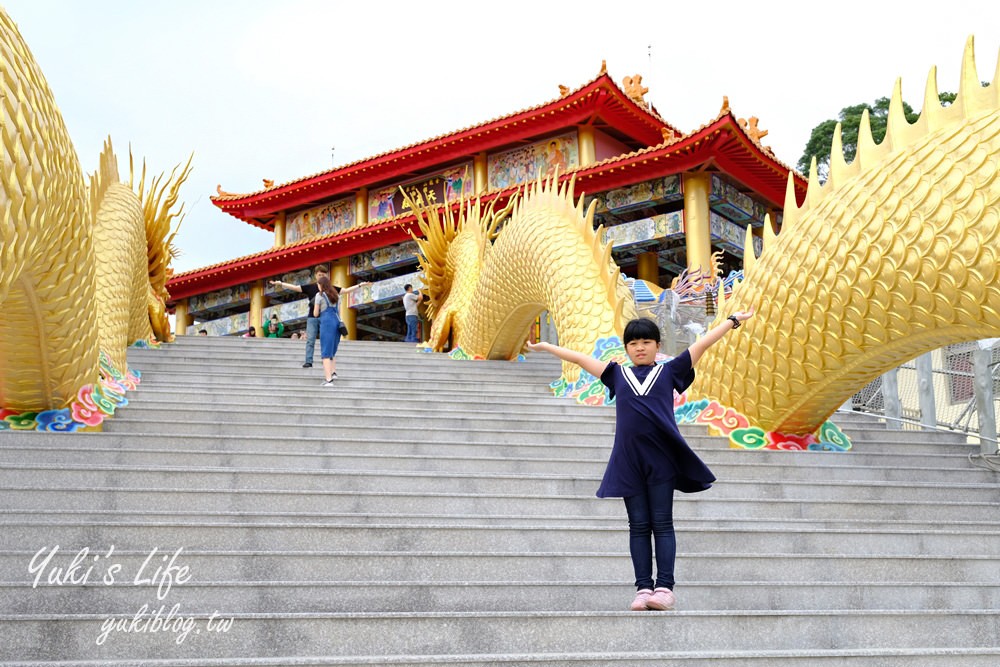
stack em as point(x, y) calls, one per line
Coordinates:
point(449, 185)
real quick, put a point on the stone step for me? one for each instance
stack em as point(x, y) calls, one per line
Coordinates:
point(830, 467)
point(709, 448)
point(712, 449)
point(926, 657)
point(474, 483)
point(349, 379)
point(474, 565)
point(597, 426)
point(541, 537)
point(202, 596)
point(513, 432)
point(386, 633)
point(344, 411)
point(457, 518)
point(180, 401)
point(288, 370)
point(28, 497)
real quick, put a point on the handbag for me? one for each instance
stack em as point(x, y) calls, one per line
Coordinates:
point(342, 329)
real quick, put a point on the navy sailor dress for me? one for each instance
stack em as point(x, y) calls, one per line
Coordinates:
point(649, 448)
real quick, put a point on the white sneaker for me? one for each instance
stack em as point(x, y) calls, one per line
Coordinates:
point(328, 383)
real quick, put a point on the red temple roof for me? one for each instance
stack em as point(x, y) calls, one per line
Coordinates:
point(600, 98)
point(722, 143)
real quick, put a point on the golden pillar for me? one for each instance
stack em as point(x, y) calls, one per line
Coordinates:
point(257, 306)
point(279, 230)
point(360, 212)
point(181, 318)
point(697, 225)
point(588, 150)
point(648, 268)
point(340, 275)
point(480, 173)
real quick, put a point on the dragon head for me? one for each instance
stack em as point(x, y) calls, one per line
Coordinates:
point(453, 249)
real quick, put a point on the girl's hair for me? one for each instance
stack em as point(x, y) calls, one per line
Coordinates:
point(641, 329)
point(326, 287)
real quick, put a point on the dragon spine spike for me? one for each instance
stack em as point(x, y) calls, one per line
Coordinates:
point(595, 241)
point(971, 98)
point(868, 151)
point(105, 176)
point(720, 309)
point(619, 318)
point(814, 191)
point(591, 210)
point(933, 115)
point(790, 213)
point(571, 189)
point(840, 171)
point(995, 86)
point(749, 258)
point(898, 131)
point(770, 236)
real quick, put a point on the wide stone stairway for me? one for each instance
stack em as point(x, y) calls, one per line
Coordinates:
point(425, 511)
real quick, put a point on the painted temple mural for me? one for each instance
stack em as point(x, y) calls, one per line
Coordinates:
point(521, 165)
point(320, 221)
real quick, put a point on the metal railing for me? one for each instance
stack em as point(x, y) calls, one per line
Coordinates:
point(955, 388)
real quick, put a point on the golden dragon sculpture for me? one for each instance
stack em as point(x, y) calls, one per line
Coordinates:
point(83, 266)
point(487, 287)
point(898, 254)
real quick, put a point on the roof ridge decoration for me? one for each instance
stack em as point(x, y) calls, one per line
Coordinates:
point(632, 85)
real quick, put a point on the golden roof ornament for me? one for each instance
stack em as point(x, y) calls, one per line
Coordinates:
point(667, 134)
point(751, 128)
point(563, 90)
point(604, 68)
point(223, 193)
point(632, 85)
point(268, 183)
point(725, 105)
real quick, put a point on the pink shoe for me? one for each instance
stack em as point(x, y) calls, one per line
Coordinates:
point(662, 599)
point(639, 603)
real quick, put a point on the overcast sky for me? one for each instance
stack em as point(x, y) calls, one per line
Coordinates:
point(264, 89)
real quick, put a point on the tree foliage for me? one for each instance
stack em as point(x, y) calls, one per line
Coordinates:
point(821, 138)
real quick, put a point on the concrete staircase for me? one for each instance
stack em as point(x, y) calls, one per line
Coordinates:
point(426, 511)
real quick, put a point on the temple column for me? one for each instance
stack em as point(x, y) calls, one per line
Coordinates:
point(340, 275)
point(648, 268)
point(480, 173)
point(697, 225)
point(588, 149)
point(360, 212)
point(181, 318)
point(279, 230)
point(256, 306)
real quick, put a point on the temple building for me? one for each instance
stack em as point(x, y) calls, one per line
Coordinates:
point(667, 200)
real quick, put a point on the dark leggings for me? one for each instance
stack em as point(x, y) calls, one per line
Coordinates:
point(652, 514)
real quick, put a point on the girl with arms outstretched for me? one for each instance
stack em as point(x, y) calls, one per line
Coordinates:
point(650, 458)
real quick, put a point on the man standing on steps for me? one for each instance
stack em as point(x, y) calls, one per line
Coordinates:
point(312, 323)
point(410, 301)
